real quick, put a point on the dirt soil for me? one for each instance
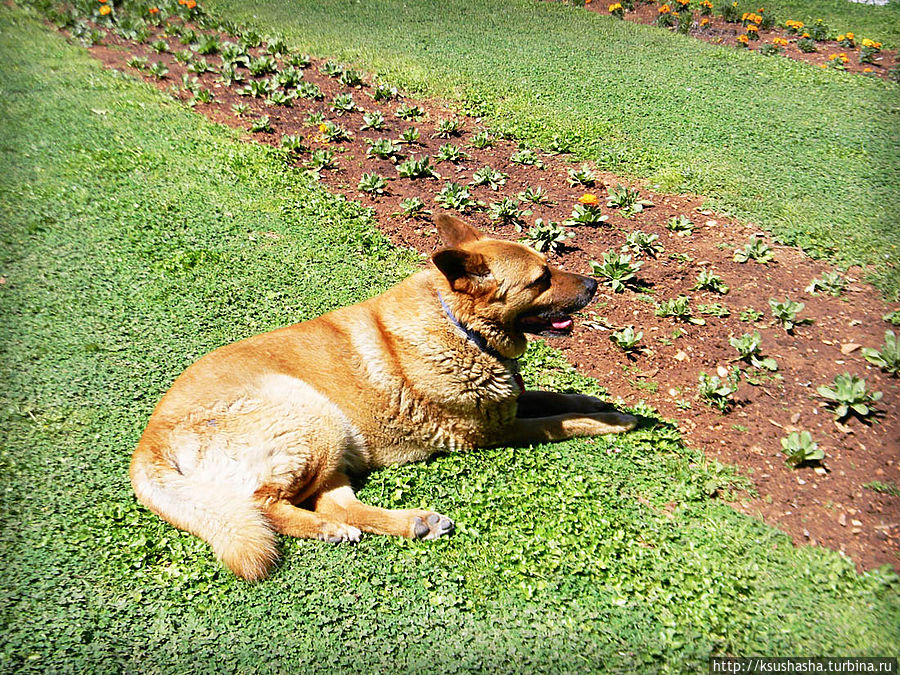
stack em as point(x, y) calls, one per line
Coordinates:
point(827, 504)
point(718, 31)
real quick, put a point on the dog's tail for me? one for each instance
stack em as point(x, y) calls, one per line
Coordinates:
point(231, 523)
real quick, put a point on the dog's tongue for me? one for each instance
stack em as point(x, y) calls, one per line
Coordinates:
point(561, 324)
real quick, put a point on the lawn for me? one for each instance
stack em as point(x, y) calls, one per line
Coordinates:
point(136, 236)
point(808, 154)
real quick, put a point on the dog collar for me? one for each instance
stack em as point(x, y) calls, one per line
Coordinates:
point(479, 341)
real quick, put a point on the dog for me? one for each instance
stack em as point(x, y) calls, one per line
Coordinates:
point(262, 436)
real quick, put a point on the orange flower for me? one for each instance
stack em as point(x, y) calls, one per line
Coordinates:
point(704, 21)
point(154, 10)
point(101, 1)
point(104, 10)
point(191, 4)
point(867, 70)
point(752, 29)
point(588, 199)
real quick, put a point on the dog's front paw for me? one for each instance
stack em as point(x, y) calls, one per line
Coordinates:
point(588, 404)
point(431, 526)
point(613, 422)
point(338, 533)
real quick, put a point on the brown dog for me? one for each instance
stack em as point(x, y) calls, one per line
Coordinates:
point(261, 435)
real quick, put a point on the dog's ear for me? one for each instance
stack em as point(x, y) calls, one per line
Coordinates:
point(455, 232)
point(467, 272)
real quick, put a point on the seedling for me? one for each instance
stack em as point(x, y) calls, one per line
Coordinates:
point(678, 308)
point(714, 309)
point(417, 168)
point(298, 60)
point(289, 77)
point(250, 39)
point(892, 318)
point(409, 112)
point(586, 214)
point(351, 78)
point(547, 236)
point(707, 280)
point(831, 282)
point(334, 133)
point(506, 210)
point(208, 45)
point(314, 119)
point(240, 109)
point(617, 269)
point(888, 357)
point(482, 140)
point(786, 312)
point(748, 350)
point(139, 62)
point(680, 224)
point(642, 243)
point(158, 70)
point(230, 75)
point(409, 136)
point(534, 195)
point(627, 339)
point(234, 55)
point(627, 199)
point(750, 315)
point(189, 83)
point(456, 196)
point(276, 46)
point(373, 120)
point(447, 128)
point(262, 66)
point(384, 92)
point(411, 206)
point(184, 56)
point(383, 148)
point(526, 157)
point(203, 96)
point(450, 153)
point(585, 176)
point(323, 158)
point(756, 250)
point(331, 69)
point(801, 448)
point(279, 98)
point(293, 144)
point(309, 90)
point(372, 183)
point(159, 46)
point(716, 391)
point(261, 125)
point(848, 394)
point(488, 176)
point(255, 88)
point(560, 145)
point(343, 103)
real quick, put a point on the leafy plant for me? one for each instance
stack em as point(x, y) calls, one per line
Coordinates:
point(680, 224)
point(481, 140)
point(314, 119)
point(372, 183)
point(748, 348)
point(183, 56)
point(678, 308)
point(716, 391)
point(255, 88)
point(203, 96)
point(447, 128)
point(351, 78)
point(409, 136)
point(526, 157)
point(506, 210)
point(372, 120)
point(158, 70)
point(627, 199)
point(230, 75)
point(534, 195)
point(450, 153)
point(627, 339)
point(319, 159)
point(786, 312)
point(708, 280)
point(279, 98)
point(159, 46)
point(888, 357)
point(240, 109)
point(309, 90)
point(756, 249)
point(409, 112)
point(560, 145)
point(714, 309)
point(411, 206)
point(547, 236)
point(298, 60)
point(617, 269)
point(276, 46)
point(234, 55)
point(749, 314)
point(343, 103)
point(801, 448)
point(831, 282)
point(806, 45)
point(892, 318)
point(289, 77)
point(848, 394)
point(250, 39)
point(139, 62)
point(384, 92)
point(382, 148)
point(586, 214)
point(262, 66)
point(642, 243)
point(293, 144)
point(331, 69)
point(334, 133)
point(455, 196)
point(261, 125)
point(490, 177)
point(583, 176)
point(417, 168)
point(208, 45)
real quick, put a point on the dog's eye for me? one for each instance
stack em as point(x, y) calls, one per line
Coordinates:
point(542, 280)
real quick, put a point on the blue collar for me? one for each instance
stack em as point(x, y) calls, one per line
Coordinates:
point(472, 336)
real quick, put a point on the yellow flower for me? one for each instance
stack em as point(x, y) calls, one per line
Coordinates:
point(752, 29)
point(588, 199)
point(743, 39)
point(323, 128)
point(850, 36)
point(704, 21)
point(867, 70)
point(665, 9)
point(104, 10)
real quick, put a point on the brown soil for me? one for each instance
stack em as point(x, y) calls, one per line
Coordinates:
point(827, 505)
point(721, 32)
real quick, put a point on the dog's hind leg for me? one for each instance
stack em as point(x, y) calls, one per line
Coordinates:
point(296, 522)
point(337, 502)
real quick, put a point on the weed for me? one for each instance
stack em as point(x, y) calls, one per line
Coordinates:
point(801, 448)
point(756, 249)
point(748, 348)
point(848, 394)
point(547, 237)
point(617, 269)
point(888, 357)
point(885, 488)
point(750, 315)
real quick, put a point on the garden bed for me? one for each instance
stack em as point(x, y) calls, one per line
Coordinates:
point(849, 501)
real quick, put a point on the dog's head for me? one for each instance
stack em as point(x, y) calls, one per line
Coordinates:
point(503, 289)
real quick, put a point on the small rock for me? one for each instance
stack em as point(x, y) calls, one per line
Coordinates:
point(800, 481)
point(856, 523)
point(795, 418)
point(856, 530)
point(681, 356)
point(842, 520)
point(821, 470)
point(849, 348)
point(712, 223)
point(722, 371)
point(673, 392)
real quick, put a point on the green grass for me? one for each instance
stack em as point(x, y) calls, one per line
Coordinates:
point(133, 241)
point(879, 22)
point(809, 154)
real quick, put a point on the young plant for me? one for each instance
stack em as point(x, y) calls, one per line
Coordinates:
point(627, 339)
point(707, 280)
point(526, 157)
point(750, 315)
point(506, 210)
point(240, 109)
point(678, 308)
point(831, 282)
point(261, 125)
point(262, 66)
point(322, 158)
point(806, 45)
point(456, 196)
point(383, 148)
point(450, 153)
point(617, 269)
point(384, 92)
point(756, 250)
point(411, 206)
point(680, 224)
point(848, 394)
point(892, 318)
point(309, 90)
point(202, 96)
point(331, 69)
point(534, 195)
point(488, 176)
point(372, 120)
point(716, 391)
point(334, 133)
point(585, 176)
point(586, 214)
point(183, 56)
point(255, 88)
point(279, 98)
point(801, 448)
point(748, 350)
point(786, 312)
point(888, 357)
point(298, 60)
point(351, 78)
point(234, 55)
point(482, 140)
point(409, 112)
point(139, 62)
point(314, 119)
point(208, 45)
point(230, 75)
point(547, 237)
point(293, 144)
point(417, 168)
point(372, 183)
point(642, 243)
point(627, 199)
point(158, 70)
point(409, 136)
point(343, 103)
point(447, 128)
point(714, 309)
point(289, 77)
point(159, 46)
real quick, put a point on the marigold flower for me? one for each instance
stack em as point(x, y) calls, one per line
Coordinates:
point(323, 128)
point(752, 28)
point(101, 1)
point(665, 9)
point(867, 70)
point(588, 199)
point(614, 8)
point(743, 39)
point(704, 21)
point(104, 10)
point(154, 10)
point(850, 36)
point(190, 4)
point(840, 38)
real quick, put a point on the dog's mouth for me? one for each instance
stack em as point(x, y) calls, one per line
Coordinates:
point(551, 323)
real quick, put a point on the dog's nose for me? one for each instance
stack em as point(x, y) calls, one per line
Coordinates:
point(590, 285)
